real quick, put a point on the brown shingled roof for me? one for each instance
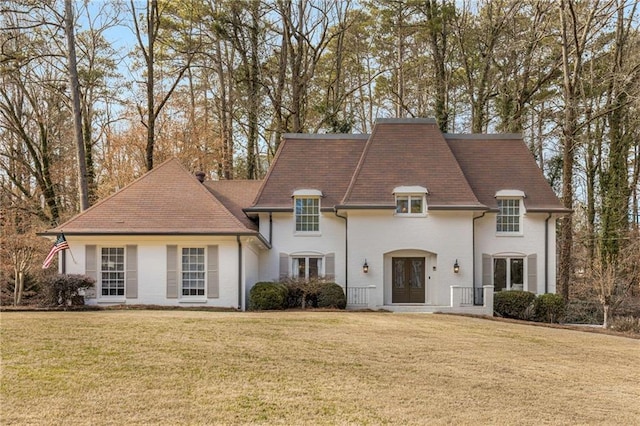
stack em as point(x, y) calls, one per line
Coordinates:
point(166, 200)
point(236, 195)
point(500, 162)
point(409, 152)
point(322, 162)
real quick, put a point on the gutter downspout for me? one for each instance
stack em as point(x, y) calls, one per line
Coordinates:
point(270, 228)
point(346, 254)
point(473, 253)
point(239, 273)
point(546, 254)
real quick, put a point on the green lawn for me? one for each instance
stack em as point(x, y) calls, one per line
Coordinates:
point(186, 367)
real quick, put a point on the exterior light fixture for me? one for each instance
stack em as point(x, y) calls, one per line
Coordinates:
point(365, 267)
point(456, 267)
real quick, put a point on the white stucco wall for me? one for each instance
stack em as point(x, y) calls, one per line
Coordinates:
point(330, 239)
point(532, 241)
point(152, 267)
point(251, 256)
point(442, 237)
point(447, 235)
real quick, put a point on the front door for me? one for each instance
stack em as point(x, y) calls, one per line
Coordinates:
point(408, 280)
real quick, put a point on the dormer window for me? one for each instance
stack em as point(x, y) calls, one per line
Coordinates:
point(307, 210)
point(410, 200)
point(509, 217)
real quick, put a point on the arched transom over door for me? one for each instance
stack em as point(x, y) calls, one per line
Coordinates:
point(408, 280)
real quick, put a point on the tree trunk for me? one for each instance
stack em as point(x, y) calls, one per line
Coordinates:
point(75, 106)
point(152, 7)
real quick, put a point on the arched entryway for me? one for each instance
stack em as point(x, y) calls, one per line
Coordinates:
point(409, 276)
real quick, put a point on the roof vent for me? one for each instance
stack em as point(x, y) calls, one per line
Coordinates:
point(200, 176)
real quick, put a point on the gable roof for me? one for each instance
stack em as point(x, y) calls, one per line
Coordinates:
point(503, 162)
point(409, 152)
point(168, 200)
point(319, 162)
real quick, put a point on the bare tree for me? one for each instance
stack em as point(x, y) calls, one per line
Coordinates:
point(74, 84)
point(152, 27)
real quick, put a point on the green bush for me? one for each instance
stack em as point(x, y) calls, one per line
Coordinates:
point(267, 296)
point(64, 289)
point(513, 304)
point(331, 295)
point(549, 308)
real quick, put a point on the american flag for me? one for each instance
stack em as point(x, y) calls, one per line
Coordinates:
point(59, 245)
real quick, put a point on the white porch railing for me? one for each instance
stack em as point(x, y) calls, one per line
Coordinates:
point(464, 297)
point(358, 296)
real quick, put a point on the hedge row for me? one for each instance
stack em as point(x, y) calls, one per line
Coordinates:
point(296, 294)
point(525, 305)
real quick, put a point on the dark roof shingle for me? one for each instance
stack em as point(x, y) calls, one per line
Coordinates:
point(322, 162)
point(166, 200)
point(500, 162)
point(409, 152)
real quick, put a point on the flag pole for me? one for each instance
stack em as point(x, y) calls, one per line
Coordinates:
point(70, 252)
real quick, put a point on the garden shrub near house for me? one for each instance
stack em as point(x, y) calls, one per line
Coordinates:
point(65, 289)
point(268, 296)
point(549, 308)
point(312, 293)
point(303, 293)
point(513, 304)
point(331, 295)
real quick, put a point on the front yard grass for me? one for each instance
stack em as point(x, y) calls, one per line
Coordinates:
point(185, 367)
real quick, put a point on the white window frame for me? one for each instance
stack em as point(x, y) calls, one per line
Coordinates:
point(203, 271)
point(411, 194)
point(411, 198)
point(123, 273)
point(508, 260)
point(295, 266)
point(520, 215)
point(316, 214)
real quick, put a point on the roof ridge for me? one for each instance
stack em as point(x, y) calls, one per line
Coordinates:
point(326, 136)
point(481, 136)
point(460, 170)
point(356, 172)
point(269, 171)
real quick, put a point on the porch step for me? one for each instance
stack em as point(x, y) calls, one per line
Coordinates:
point(423, 309)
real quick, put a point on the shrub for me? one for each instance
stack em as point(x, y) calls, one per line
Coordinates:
point(513, 304)
point(267, 296)
point(303, 293)
point(626, 324)
point(549, 308)
point(584, 312)
point(331, 295)
point(64, 289)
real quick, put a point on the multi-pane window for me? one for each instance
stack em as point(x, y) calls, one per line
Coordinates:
point(193, 271)
point(409, 204)
point(508, 273)
point(307, 267)
point(307, 214)
point(508, 219)
point(112, 271)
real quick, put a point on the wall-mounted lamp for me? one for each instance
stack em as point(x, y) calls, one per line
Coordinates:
point(456, 267)
point(365, 267)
